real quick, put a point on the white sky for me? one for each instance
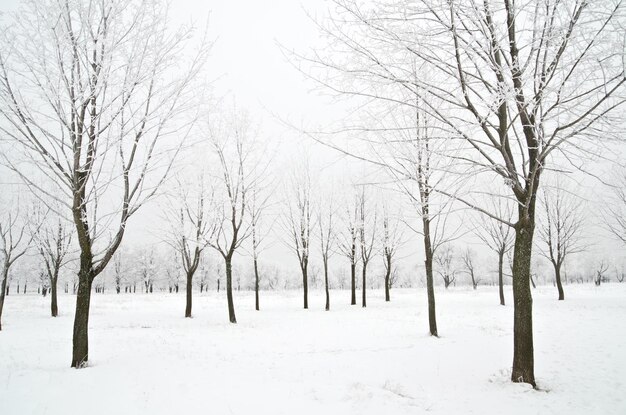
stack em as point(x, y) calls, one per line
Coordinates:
point(249, 66)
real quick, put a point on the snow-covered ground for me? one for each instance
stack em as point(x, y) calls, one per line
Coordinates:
point(145, 358)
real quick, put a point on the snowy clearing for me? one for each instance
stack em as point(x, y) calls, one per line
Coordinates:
point(146, 358)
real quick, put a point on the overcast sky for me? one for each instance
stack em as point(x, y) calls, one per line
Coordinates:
point(248, 65)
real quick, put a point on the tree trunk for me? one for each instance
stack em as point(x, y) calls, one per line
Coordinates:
point(5, 277)
point(353, 283)
point(387, 276)
point(364, 299)
point(559, 285)
point(54, 308)
point(189, 294)
point(430, 286)
point(327, 307)
point(305, 285)
point(501, 276)
point(523, 353)
point(80, 343)
point(256, 285)
point(229, 290)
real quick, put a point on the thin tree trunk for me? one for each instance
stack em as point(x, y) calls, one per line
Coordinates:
point(256, 285)
point(430, 286)
point(559, 285)
point(501, 276)
point(523, 353)
point(189, 295)
point(353, 283)
point(5, 277)
point(364, 299)
point(387, 276)
point(80, 343)
point(229, 290)
point(326, 284)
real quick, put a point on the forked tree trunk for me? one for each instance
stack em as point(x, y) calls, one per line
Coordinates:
point(387, 277)
point(364, 296)
point(189, 295)
point(256, 285)
point(559, 285)
point(430, 286)
point(80, 346)
point(229, 290)
point(327, 307)
point(353, 283)
point(501, 276)
point(3, 288)
point(523, 353)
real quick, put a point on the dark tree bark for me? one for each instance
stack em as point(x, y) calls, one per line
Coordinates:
point(229, 290)
point(523, 352)
point(501, 276)
point(54, 308)
point(80, 343)
point(5, 277)
point(364, 296)
point(430, 286)
point(353, 283)
point(256, 285)
point(559, 285)
point(387, 278)
point(327, 307)
point(189, 294)
point(305, 283)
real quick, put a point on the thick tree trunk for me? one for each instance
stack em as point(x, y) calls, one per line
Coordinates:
point(305, 285)
point(353, 283)
point(364, 296)
point(3, 288)
point(189, 295)
point(229, 290)
point(327, 307)
point(559, 285)
point(501, 276)
point(430, 286)
point(387, 277)
point(256, 285)
point(54, 308)
point(523, 353)
point(80, 346)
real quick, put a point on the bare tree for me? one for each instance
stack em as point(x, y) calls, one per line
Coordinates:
point(108, 81)
point(614, 213)
point(118, 270)
point(191, 229)
point(298, 224)
point(468, 263)
point(326, 223)
point(560, 230)
point(15, 243)
point(392, 240)
point(347, 243)
point(53, 241)
point(232, 143)
point(445, 265)
point(602, 267)
point(498, 236)
point(515, 96)
point(257, 208)
point(367, 239)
